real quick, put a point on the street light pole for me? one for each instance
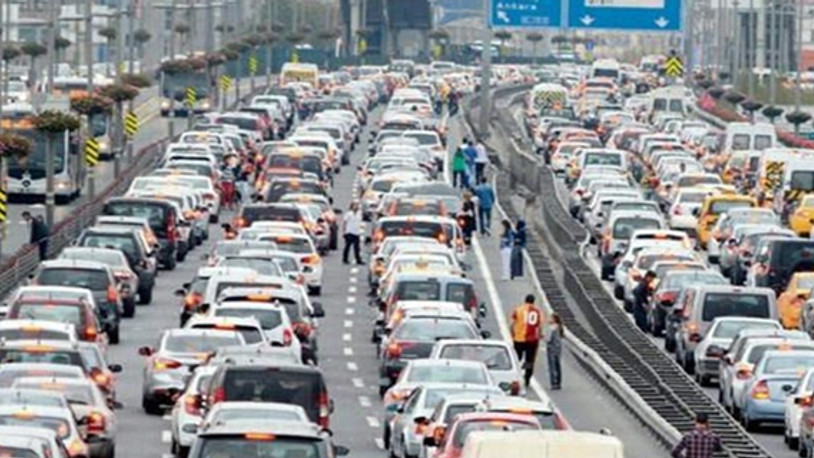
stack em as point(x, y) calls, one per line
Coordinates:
point(736, 28)
point(797, 93)
point(119, 131)
point(751, 61)
point(89, 58)
point(770, 46)
point(50, 198)
point(131, 55)
point(486, 73)
point(270, 31)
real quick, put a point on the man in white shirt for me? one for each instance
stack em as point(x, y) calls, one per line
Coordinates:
point(481, 161)
point(352, 230)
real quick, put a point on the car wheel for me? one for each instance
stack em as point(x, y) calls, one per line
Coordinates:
point(669, 344)
point(314, 290)
point(618, 292)
point(386, 436)
point(802, 451)
point(382, 391)
point(748, 424)
point(171, 263)
point(113, 335)
point(214, 218)
point(129, 307)
point(145, 297)
point(703, 380)
point(628, 306)
point(111, 450)
point(793, 443)
point(181, 255)
point(150, 406)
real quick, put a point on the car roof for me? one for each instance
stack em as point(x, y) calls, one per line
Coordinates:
point(275, 427)
point(478, 342)
point(73, 263)
point(445, 363)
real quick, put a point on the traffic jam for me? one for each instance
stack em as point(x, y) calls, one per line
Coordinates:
point(245, 204)
point(703, 234)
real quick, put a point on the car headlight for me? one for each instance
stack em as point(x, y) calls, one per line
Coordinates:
point(205, 105)
point(165, 104)
point(103, 146)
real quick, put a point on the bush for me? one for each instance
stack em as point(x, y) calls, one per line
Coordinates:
point(137, 80)
point(54, 122)
point(14, 145)
point(91, 104)
point(120, 92)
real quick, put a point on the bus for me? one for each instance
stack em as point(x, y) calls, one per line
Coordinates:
point(100, 123)
point(295, 72)
point(174, 87)
point(26, 176)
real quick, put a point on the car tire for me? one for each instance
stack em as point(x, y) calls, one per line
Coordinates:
point(802, 450)
point(181, 255)
point(793, 442)
point(214, 218)
point(386, 436)
point(619, 292)
point(113, 335)
point(145, 296)
point(669, 345)
point(171, 264)
point(150, 406)
point(628, 306)
point(703, 380)
point(749, 425)
point(314, 290)
point(129, 307)
point(111, 450)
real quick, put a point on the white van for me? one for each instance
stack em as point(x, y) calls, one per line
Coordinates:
point(605, 68)
point(541, 444)
point(743, 136)
point(672, 99)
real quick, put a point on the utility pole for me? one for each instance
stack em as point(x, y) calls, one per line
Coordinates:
point(119, 131)
point(486, 73)
point(131, 56)
point(50, 198)
point(736, 28)
point(209, 38)
point(751, 61)
point(770, 47)
point(171, 117)
point(89, 59)
point(269, 44)
point(799, 69)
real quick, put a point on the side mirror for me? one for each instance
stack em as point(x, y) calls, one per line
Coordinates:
point(180, 292)
point(115, 368)
point(319, 311)
point(341, 450)
point(727, 358)
point(145, 351)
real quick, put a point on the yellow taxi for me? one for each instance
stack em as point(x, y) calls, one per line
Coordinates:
point(800, 220)
point(790, 303)
point(713, 207)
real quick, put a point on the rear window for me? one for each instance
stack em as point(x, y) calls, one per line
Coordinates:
point(432, 374)
point(461, 293)
point(494, 357)
point(730, 329)
point(240, 122)
point(419, 290)
point(762, 142)
point(46, 355)
point(431, 329)
point(294, 245)
point(198, 343)
point(250, 335)
point(57, 425)
point(269, 213)
point(413, 228)
point(42, 334)
point(58, 313)
point(261, 265)
point(735, 304)
point(788, 364)
point(124, 243)
point(155, 214)
point(722, 206)
point(272, 384)
point(603, 159)
point(623, 228)
point(239, 446)
point(462, 431)
point(75, 394)
point(17, 452)
point(305, 163)
point(758, 351)
point(269, 319)
point(802, 180)
point(455, 410)
point(690, 181)
point(94, 280)
point(794, 253)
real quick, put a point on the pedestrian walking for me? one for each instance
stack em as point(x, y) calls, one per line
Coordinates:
point(701, 442)
point(553, 346)
point(352, 231)
point(39, 233)
point(641, 297)
point(467, 217)
point(486, 200)
point(518, 245)
point(481, 161)
point(527, 321)
point(458, 168)
point(471, 154)
point(506, 242)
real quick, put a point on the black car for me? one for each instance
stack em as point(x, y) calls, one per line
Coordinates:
point(162, 217)
point(776, 259)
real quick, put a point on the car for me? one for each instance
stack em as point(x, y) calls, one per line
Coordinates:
point(498, 356)
point(187, 411)
point(88, 404)
point(102, 373)
point(273, 319)
point(790, 303)
point(797, 401)
point(37, 330)
point(164, 219)
point(79, 310)
point(248, 327)
point(264, 438)
point(717, 339)
point(94, 276)
point(450, 440)
point(773, 378)
point(11, 371)
point(311, 262)
point(538, 444)
point(239, 411)
point(57, 419)
point(30, 441)
point(543, 410)
point(462, 401)
point(168, 364)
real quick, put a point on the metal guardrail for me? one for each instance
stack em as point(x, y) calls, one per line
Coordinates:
point(607, 331)
point(19, 266)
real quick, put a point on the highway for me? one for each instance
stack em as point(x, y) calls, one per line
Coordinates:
point(348, 358)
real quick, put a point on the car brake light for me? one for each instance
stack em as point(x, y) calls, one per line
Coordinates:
point(99, 377)
point(96, 422)
point(193, 300)
point(324, 409)
point(677, 210)
point(192, 404)
point(219, 395)
point(310, 260)
point(287, 337)
point(90, 333)
point(514, 390)
point(112, 294)
point(161, 364)
point(394, 350)
point(760, 390)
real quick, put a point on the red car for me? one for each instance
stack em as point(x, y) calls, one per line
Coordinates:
point(450, 441)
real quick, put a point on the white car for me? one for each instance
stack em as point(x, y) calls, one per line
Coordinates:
point(310, 260)
point(224, 412)
point(273, 318)
point(681, 215)
point(721, 333)
point(498, 356)
point(794, 408)
point(186, 415)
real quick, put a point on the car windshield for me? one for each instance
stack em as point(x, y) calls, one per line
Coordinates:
point(414, 228)
point(31, 398)
point(125, 243)
point(735, 304)
point(112, 259)
point(94, 280)
point(603, 159)
point(298, 245)
point(419, 290)
point(788, 363)
point(74, 393)
point(432, 329)
point(463, 430)
point(239, 446)
point(268, 318)
point(199, 343)
point(37, 355)
point(493, 356)
point(27, 419)
point(447, 374)
point(624, 227)
point(59, 313)
point(684, 279)
point(250, 335)
point(43, 334)
point(729, 329)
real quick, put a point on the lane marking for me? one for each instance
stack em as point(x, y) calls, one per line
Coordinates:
point(352, 279)
point(347, 351)
point(348, 323)
point(346, 337)
point(379, 443)
point(352, 289)
point(166, 436)
point(352, 366)
point(351, 299)
point(373, 422)
point(364, 401)
point(357, 382)
point(167, 417)
point(354, 270)
point(349, 311)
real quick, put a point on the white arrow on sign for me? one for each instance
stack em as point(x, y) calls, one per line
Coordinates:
point(662, 22)
point(587, 20)
point(503, 16)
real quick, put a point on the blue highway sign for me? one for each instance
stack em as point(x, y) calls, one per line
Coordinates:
point(629, 15)
point(525, 13)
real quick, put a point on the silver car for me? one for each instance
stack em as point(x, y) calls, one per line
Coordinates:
point(721, 333)
point(498, 356)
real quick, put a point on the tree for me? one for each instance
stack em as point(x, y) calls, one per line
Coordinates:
point(109, 33)
point(141, 37)
point(534, 38)
point(60, 45)
point(327, 37)
point(10, 53)
point(14, 145)
point(33, 50)
point(183, 32)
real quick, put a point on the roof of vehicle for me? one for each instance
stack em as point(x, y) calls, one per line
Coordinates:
point(262, 427)
point(73, 264)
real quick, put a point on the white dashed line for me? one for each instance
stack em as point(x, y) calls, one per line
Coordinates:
point(352, 279)
point(348, 323)
point(354, 270)
point(349, 311)
point(351, 299)
point(346, 337)
point(351, 289)
point(373, 422)
point(358, 383)
point(167, 417)
point(347, 351)
point(364, 401)
point(166, 436)
point(379, 443)
point(352, 367)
